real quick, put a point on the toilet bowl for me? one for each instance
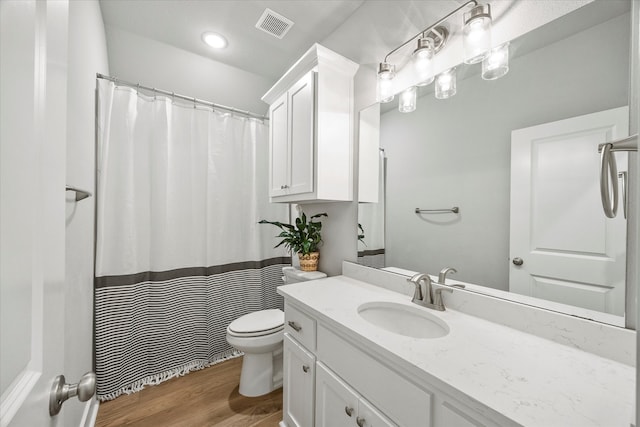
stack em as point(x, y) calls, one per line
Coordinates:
point(259, 336)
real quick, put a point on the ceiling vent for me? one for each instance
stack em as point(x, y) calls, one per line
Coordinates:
point(273, 23)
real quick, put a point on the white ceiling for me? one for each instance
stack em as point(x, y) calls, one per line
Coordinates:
point(362, 30)
point(180, 23)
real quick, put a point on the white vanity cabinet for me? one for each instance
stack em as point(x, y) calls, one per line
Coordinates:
point(310, 130)
point(330, 380)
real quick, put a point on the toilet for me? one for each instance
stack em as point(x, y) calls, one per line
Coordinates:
point(259, 336)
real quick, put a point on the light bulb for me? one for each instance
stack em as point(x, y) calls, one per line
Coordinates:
point(496, 64)
point(477, 33)
point(407, 102)
point(446, 84)
point(386, 73)
point(423, 61)
point(214, 40)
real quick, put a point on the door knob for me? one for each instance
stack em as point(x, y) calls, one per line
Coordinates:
point(518, 261)
point(61, 391)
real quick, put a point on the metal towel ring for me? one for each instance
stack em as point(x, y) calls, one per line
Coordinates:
point(608, 175)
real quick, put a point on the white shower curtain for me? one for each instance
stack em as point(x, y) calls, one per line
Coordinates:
point(179, 251)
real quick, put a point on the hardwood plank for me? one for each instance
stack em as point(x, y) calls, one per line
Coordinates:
point(208, 397)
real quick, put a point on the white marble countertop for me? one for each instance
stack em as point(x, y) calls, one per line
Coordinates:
point(530, 380)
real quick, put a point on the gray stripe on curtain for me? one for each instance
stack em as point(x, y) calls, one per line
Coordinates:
point(152, 330)
point(156, 276)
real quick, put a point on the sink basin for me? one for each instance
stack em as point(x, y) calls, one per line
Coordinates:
point(403, 320)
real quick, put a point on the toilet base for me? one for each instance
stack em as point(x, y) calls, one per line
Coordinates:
point(261, 373)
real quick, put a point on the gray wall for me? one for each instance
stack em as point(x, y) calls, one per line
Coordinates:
point(456, 152)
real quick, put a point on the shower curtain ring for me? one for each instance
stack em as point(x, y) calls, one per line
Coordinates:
point(194, 103)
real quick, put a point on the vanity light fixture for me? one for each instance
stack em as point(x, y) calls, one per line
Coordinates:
point(477, 46)
point(214, 40)
point(496, 64)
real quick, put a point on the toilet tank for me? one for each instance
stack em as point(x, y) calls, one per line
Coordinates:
point(294, 275)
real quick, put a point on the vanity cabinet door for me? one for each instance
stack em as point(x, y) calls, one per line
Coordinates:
point(368, 416)
point(298, 384)
point(337, 403)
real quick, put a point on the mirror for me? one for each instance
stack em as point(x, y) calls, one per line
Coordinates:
point(458, 152)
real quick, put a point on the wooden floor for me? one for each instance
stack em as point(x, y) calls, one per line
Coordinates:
point(208, 397)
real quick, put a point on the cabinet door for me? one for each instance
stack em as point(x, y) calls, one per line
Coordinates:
point(302, 134)
point(368, 416)
point(298, 384)
point(278, 147)
point(336, 402)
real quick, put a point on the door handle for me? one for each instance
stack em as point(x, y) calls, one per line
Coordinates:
point(517, 261)
point(61, 391)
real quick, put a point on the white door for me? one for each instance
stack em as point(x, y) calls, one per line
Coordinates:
point(298, 384)
point(570, 251)
point(33, 43)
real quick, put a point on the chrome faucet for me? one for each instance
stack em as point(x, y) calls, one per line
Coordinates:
point(418, 297)
point(443, 274)
point(430, 298)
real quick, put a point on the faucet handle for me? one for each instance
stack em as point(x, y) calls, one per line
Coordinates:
point(437, 298)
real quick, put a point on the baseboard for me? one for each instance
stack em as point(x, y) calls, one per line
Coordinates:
point(90, 413)
point(282, 424)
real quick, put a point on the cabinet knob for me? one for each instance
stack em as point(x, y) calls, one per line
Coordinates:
point(284, 187)
point(360, 421)
point(305, 368)
point(348, 410)
point(294, 326)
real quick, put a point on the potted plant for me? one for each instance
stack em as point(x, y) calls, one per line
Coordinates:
point(303, 237)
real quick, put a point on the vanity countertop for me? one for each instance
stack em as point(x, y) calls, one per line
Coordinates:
point(530, 380)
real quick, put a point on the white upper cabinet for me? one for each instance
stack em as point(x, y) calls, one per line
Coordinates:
point(310, 137)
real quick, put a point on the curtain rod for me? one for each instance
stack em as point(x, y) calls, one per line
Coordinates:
point(186, 98)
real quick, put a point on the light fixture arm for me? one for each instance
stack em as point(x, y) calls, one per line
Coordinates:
point(430, 28)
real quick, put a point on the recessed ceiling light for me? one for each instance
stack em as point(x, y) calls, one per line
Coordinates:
point(214, 40)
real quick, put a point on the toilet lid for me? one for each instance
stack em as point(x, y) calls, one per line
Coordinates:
point(258, 323)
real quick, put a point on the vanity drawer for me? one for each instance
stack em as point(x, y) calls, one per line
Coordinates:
point(398, 398)
point(300, 326)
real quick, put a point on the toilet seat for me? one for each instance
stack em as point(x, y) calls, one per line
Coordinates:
point(257, 324)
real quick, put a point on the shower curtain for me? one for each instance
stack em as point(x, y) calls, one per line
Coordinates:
point(179, 251)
